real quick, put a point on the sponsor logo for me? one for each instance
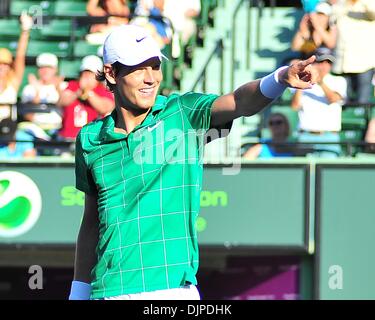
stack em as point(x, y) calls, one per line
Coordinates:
point(20, 204)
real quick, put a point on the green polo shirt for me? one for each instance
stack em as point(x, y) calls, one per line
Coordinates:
point(148, 184)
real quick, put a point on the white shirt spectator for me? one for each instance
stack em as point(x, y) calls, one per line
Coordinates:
point(355, 48)
point(47, 93)
point(316, 114)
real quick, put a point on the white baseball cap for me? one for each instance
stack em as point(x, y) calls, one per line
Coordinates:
point(47, 60)
point(130, 45)
point(324, 7)
point(91, 63)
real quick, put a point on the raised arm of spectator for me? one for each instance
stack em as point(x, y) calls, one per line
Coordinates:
point(253, 96)
point(331, 95)
point(296, 100)
point(103, 105)
point(68, 96)
point(19, 61)
point(93, 8)
point(321, 35)
point(302, 34)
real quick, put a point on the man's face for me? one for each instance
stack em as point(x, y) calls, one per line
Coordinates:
point(87, 80)
point(138, 86)
point(47, 74)
point(323, 68)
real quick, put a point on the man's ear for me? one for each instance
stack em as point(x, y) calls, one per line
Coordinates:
point(109, 74)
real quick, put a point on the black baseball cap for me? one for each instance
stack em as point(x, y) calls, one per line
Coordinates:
point(324, 54)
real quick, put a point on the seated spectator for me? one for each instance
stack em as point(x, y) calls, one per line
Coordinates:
point(85, 99)
point(10, 149)
point(11, 72)
point(355, 49)
point(48, 87)
point(118, 11)
point(280, 131)
point(45, 90)
point(315, 30)
point(152, 19)
point(320, 107)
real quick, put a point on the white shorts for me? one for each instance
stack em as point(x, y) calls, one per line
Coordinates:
point(188, 292)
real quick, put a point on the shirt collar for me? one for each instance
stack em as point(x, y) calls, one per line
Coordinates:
point(107, 132)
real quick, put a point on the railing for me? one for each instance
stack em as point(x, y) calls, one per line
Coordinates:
point(233, 48)
point(301, 149)
point(252, 4)
point(351, 147)
point(219, 52)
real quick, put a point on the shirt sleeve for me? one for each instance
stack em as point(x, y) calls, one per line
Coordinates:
point(197, 107)
point(24, 146)
point(339, 85)
point(84, 180)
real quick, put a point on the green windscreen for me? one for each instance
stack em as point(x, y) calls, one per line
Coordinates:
point(262, 205)
point(346, 235)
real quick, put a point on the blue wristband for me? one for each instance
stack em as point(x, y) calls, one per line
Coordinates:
point(270, 85)
point(80, 291)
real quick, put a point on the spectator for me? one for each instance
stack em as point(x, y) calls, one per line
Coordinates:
point(320, 107)
point(45, 90)
point(153, 19)
point(11, 72)
point(48, 87)
point(309, 5)
point(84, 100)
point(182, 14)
point(315, 30)
point(280, 130)
point(143, 7)
point(355, 49)
point(10, 149)
point(118, 12)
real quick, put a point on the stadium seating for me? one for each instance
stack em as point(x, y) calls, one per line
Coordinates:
point(69, 69)
point(354, 118)
point(70, 8)
point(33, 7)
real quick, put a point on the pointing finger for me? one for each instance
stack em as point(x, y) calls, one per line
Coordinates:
point(303, 64)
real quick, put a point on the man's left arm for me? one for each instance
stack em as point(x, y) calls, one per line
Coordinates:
point(254, 96)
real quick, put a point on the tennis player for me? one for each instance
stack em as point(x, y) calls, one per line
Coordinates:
point(141, 171)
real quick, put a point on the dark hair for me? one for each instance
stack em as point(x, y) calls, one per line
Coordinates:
point(285, 120)
point(100, 75)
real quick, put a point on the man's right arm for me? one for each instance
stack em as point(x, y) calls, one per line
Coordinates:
point(87, 241)
point(85, 258)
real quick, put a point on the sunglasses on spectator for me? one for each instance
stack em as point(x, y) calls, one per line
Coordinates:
point(276, 122)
